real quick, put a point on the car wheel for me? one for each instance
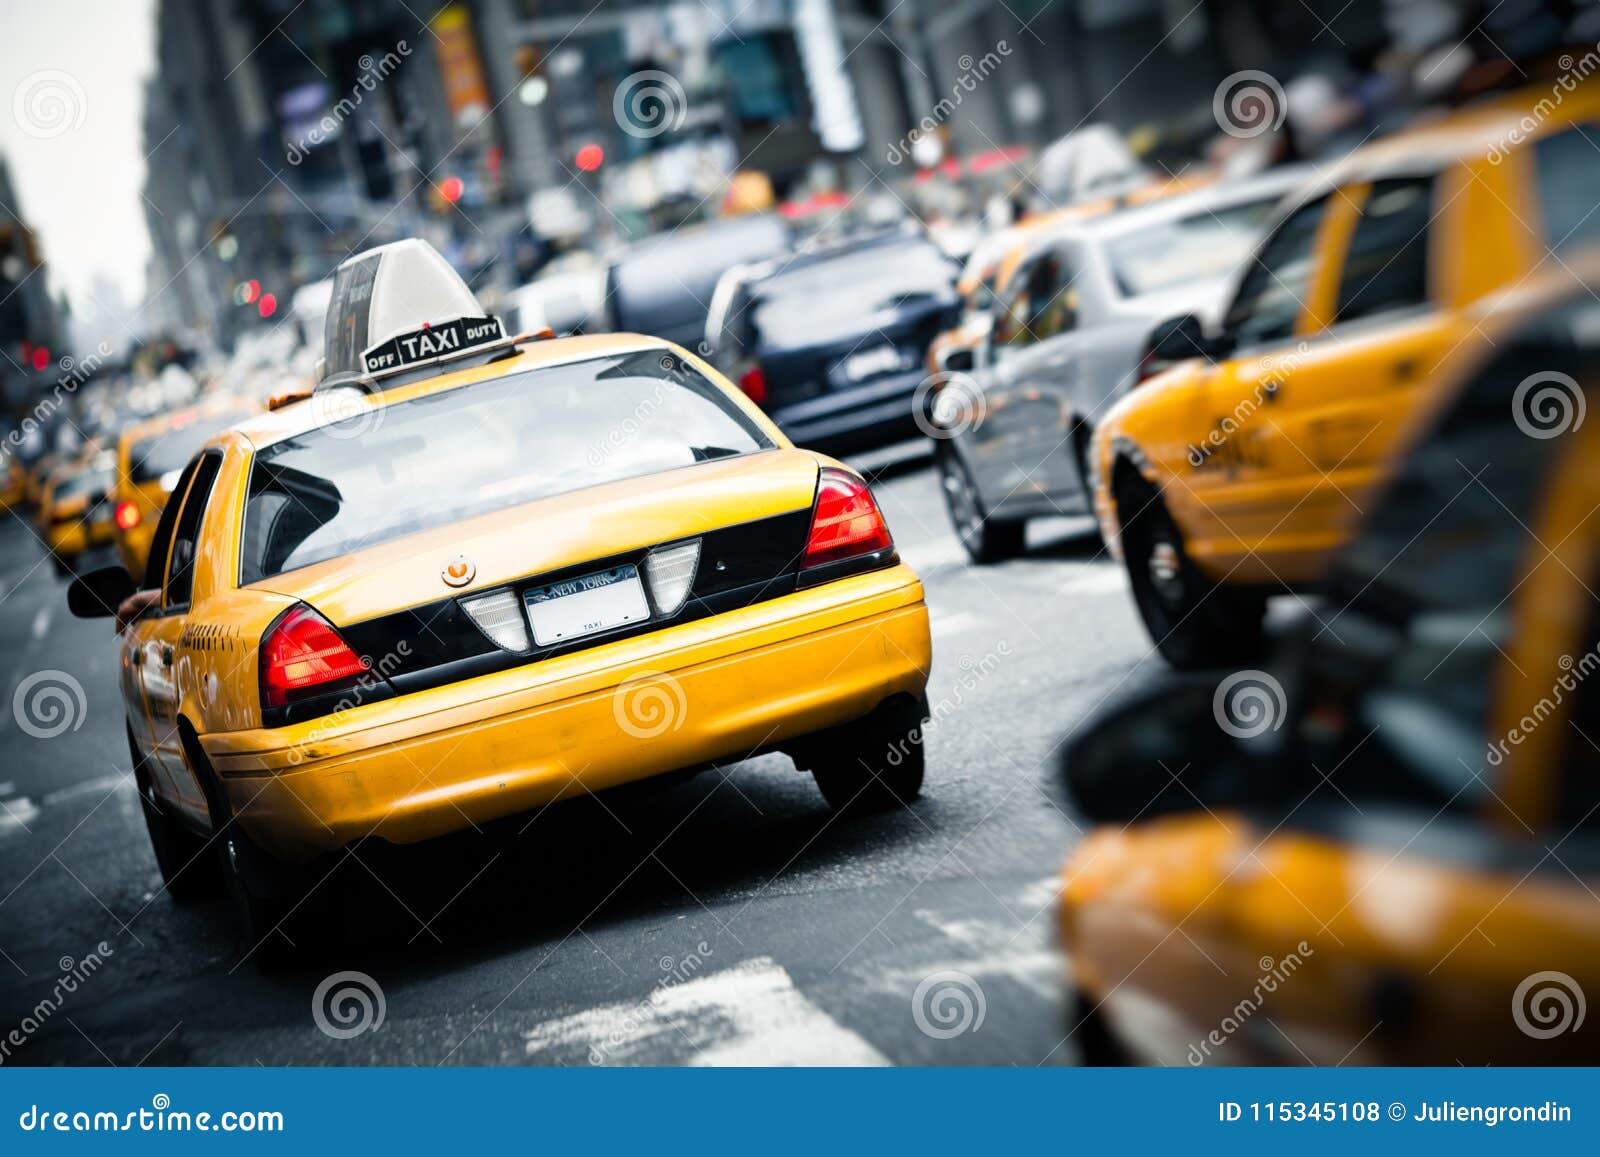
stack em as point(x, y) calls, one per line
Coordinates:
point(1097, 1044)
point(985, 539)
point(188, 871)
point(874, 764)
point(63, 569)
point(279, 918)
point(1194, 622)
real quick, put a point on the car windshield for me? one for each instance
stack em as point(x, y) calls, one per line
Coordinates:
point(170, 450)
point(382, 473)
point(1203, 246)
point(834, 298)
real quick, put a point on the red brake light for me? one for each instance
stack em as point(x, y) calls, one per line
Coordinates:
point(845, 522)
point(127, 515)
point(754, 383)
point(302, 651)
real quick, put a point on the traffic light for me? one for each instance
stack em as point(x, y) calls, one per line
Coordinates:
point(590, 158)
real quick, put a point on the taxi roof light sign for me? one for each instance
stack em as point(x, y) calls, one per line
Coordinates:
point(398, 306)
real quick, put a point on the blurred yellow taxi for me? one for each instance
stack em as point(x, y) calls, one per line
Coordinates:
point(1387, 850)
point(1231, 476)
point(473, 574)
point(74, 513)
point(150, 457)
point(13, 485)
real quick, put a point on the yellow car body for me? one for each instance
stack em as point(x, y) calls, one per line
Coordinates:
point(1264, 454)
point(421, 763)
point(13, 486)
point(150, 455)
point(74, 512)
point(1386, 928)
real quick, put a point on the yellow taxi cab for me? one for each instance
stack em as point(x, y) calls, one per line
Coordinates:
point(1386, 849)
point(1233, 475)
point(150, 457)
point(13, 486)
point(471, 574)
point(74, 512)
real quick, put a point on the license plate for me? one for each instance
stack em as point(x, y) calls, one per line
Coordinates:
point(585, 605)
point(870, 363)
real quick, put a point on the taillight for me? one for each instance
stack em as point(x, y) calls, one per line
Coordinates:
point(127, 515)
point(845, 522)
point(302, 652)
point(754, 383)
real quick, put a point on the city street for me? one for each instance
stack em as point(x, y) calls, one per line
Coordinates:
point(732, 918)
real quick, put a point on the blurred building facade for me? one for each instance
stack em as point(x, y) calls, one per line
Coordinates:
point(32, 333)
point(284, 133)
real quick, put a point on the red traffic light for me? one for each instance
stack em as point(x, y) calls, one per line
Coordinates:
point(590, 158)
point(41, 358)
point(267, 306)
point(451, 189)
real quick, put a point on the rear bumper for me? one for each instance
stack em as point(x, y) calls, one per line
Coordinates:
point(423, 765)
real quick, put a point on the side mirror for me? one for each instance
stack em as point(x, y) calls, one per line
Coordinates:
point(1178, 339)
point(960, 361)
point(1175, 748)
point(98, 594)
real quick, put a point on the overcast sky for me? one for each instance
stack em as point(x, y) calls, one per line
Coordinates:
point(71, 79)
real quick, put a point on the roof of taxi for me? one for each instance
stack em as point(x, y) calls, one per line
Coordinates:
point(296, 418)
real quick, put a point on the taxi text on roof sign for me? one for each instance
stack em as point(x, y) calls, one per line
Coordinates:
point(400, 305)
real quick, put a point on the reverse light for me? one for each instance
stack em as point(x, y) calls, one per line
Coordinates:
point(302, 652)
point(669, 572)
point(845, 521)
point(754, 383)
point(498, 614)
point(127, 515)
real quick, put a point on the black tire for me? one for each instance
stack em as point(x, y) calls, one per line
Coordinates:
point(279, 919)
point(1082, 448)
point(188, 867)
point(985, 539)
point(874, 764)
point(63, 568)
point(1097, 1044)
point(1194, 622)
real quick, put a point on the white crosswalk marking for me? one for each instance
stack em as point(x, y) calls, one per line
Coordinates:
point(750, 1014)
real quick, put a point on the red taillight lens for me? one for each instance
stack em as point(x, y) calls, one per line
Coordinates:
point(754, 383)
point(302, 651)
point(127, 515)
point(845, 522)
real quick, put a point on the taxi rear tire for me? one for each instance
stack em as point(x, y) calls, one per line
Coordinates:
point(984, 538)
point(874, 764)
point(188, 872)
point(1194, 622)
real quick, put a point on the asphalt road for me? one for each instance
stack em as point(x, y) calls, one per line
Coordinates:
point(728, 919)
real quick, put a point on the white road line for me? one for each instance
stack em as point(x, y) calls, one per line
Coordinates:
point(15, 815)
point(97, 786)
point(750, 1014)
point(41, 621)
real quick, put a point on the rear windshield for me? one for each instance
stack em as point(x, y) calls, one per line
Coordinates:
point(95, 482)
point(1204, 246)
point(169, 451)
point(380, 474)
point(842, 296)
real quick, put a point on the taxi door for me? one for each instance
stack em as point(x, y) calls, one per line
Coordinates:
point(162, 658)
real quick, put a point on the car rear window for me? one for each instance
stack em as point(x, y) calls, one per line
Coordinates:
point(832, 299)
point(382, 473)
point(90, 482)
point(170, 451)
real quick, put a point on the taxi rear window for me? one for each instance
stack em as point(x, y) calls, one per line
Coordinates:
point(170, 451)
point(383, 473)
